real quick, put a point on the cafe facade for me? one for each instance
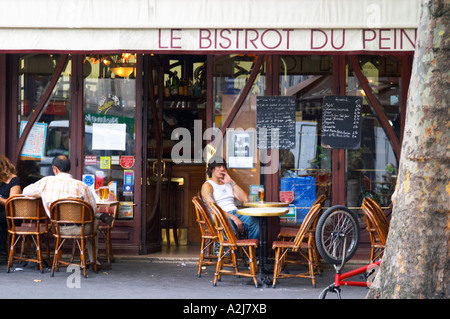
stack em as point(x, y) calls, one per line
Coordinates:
point(139, 94)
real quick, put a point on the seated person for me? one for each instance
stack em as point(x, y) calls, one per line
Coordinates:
point(222, 190)
point(9, 186)
point(63, 185)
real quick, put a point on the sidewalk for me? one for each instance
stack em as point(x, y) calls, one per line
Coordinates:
point(143, 277)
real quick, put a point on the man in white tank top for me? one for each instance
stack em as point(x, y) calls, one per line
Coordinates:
point(222, 190)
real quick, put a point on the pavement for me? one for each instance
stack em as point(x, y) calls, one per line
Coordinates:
point(143, 278)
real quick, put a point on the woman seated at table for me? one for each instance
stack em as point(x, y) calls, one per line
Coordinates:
point(9, 186)
point(222, 190)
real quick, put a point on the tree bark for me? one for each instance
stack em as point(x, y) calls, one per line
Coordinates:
point(416, 260)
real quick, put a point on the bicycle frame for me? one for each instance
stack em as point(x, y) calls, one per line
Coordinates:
point(340, 279)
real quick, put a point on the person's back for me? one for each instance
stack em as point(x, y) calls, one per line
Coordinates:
point(62, 185)
point(52, 188)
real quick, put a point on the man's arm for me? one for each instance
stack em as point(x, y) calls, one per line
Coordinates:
point(238, 192)
point(207, 192)
point(33, 190)
point(89, 197)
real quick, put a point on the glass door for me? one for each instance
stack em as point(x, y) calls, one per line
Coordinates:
point(109, 156)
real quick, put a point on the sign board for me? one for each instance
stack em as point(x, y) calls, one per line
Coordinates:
point(275, 122)
point(240, 148)
point(286, 196)
point(34, 146)
point(341, 122)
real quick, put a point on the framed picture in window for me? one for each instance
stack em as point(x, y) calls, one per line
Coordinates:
point(240, 148)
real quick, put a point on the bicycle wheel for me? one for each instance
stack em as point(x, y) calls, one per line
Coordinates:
point(337, 223)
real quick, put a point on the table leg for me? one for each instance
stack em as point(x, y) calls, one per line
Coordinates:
point(262, 249)
point(263, 279)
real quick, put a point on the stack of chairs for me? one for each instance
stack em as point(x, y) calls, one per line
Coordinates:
point(377, 226)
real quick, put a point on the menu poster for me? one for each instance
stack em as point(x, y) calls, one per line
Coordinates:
point(342, 122)
point(275, 122)
point(109, 136)
point(34, 146)
point(240, 148)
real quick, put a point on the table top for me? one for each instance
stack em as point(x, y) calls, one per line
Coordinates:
point(263, 211)
point(266, 204)
point(107, 203)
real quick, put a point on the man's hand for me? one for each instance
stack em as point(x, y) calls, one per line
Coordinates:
point(226, 178)
point(239, 224)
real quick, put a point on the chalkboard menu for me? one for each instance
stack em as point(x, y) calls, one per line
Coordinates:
point(275, 122)
point(341, 122)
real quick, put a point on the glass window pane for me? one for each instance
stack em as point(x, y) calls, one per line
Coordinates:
point(372, 169)
point(50, 136)
point(230, 75)
point(309, 79)
point(183, 108)
point(109, 118)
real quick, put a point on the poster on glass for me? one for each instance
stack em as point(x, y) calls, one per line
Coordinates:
point(240, 148)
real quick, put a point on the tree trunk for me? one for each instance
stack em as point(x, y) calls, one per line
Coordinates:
point(416, 261)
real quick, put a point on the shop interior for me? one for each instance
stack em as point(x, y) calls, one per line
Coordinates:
point(182, 96)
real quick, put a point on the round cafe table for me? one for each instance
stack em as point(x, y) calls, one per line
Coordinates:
point(262, 210)
point(265, 204)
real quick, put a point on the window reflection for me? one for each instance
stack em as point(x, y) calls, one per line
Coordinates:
point(309, 79)
point(50, 135)
point(109, 117)
point(372, 169)
point(230, 76)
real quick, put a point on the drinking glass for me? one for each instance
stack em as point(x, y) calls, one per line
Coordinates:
point(261, 194)
point(103, 193)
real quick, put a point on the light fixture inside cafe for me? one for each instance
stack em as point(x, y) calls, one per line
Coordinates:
point(123, 67)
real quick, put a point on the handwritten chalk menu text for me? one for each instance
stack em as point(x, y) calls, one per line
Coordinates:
point(341, 122)
point(275, 122)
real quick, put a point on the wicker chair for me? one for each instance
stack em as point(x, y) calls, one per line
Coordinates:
point(229, 244)
point(298, 245)
point(208, 232)
point(73, 212)
point(378, 232)
point(289, 233)
point(26, 220)
point(105, 229)
point(378, 211)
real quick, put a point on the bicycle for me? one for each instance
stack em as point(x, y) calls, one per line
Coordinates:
point(337, 226)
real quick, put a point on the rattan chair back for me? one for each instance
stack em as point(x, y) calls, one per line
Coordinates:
point(72, 211)
point(307, 224)
point(376, 209)
point(26, 219)
point(374, 222)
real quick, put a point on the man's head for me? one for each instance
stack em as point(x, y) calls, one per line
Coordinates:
point(214, 162)
point(61, 164)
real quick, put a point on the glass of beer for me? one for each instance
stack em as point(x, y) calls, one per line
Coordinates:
point(103, 193)
point(261, 193)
